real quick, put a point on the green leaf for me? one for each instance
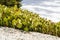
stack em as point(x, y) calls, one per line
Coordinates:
point(19, 25)
point(14, 22)
point(26, 29)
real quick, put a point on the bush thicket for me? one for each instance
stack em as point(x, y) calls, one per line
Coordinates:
point(27, 21)
point(10, 3)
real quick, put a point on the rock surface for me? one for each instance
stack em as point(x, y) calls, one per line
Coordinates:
point(14, 34)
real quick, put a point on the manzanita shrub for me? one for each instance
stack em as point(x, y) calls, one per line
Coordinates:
point(28, 21)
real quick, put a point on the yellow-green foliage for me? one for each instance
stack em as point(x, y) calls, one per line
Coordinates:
point(58, 28)
point(25, 20)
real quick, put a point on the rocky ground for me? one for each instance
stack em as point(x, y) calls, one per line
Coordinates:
point(14, 34)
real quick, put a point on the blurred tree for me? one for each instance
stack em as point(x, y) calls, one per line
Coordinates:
point(11, 2)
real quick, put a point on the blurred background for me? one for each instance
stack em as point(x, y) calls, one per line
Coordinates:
point(49, 9)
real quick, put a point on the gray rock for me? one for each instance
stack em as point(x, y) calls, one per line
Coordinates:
point(15, 34)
